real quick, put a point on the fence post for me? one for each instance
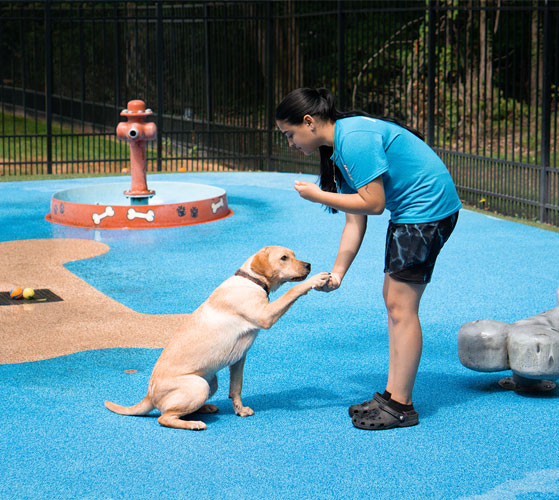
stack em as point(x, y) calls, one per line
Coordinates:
point(546, 110)
point(159, 77)
point(341, 56)
point(207, 68)
point(116, 33)
point(48, 82)
point(431, 61)
point(270, 82)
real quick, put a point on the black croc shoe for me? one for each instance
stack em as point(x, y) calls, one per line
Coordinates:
point(367, 405)
point(383, 417)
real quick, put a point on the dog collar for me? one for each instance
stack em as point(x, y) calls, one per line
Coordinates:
point(241, 273)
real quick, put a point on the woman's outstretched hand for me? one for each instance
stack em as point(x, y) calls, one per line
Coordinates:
point(308, 190)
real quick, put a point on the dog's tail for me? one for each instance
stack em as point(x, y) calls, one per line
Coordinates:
point(143, 407)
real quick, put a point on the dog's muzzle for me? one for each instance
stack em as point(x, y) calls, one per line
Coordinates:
point(307, 266)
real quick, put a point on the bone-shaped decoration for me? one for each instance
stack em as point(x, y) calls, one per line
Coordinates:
point(216, 206)
point(529, 347)
point(97, 218)
point(132, 214)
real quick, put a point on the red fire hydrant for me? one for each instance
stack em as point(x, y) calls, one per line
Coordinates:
point(137, 131)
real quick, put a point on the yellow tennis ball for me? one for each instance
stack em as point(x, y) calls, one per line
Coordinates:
point(16, 293)
point(28, 293)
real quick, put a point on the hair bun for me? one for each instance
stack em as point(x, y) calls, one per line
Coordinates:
point(328, 103)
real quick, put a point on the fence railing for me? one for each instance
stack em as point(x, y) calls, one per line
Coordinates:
point(479, 78)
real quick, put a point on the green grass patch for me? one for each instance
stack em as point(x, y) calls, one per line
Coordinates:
point(547, 227)
point(23, 147)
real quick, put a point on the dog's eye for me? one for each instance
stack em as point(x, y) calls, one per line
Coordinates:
point(285, 257)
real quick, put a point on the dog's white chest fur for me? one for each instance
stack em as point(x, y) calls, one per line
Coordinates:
point(232, 335)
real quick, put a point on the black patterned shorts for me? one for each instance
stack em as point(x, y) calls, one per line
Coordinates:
point(412, 249)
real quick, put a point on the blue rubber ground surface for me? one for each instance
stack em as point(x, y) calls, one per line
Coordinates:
point(330, 350)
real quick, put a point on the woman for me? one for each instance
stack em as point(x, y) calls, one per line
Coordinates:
point(367, 165)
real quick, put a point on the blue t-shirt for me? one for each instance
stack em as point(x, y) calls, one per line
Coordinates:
point(417, 185)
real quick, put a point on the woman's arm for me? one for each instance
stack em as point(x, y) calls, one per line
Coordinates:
point(369, 199)
point(350, 243)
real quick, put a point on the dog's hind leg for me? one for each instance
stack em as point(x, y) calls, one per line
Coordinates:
point(172, 419)
point(190, 395)
point(213, 389)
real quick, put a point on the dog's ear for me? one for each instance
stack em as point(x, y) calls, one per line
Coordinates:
point(261, 263)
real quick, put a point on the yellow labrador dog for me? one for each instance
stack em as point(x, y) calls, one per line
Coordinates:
point(218, 334)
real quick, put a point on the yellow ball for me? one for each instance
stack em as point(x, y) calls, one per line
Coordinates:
point(28, 293)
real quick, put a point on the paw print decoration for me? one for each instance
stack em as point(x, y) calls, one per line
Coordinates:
point(181, 211)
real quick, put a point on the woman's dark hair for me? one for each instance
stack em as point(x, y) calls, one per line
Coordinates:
point(321, 103)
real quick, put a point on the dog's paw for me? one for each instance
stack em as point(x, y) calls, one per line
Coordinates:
point(197, 426)
point(244, 411)
point(319, 280)
point(208, 409)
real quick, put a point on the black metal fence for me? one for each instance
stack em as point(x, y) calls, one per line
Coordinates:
point(480, 78)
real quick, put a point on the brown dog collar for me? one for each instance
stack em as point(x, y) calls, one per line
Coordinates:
point(241, 273)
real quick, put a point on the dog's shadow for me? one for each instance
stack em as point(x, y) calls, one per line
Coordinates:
point(207, 418)
point(300, 399)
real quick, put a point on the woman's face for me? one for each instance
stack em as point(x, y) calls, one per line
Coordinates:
point(302, 136)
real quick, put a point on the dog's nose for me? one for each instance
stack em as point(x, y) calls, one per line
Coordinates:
point(307, 266)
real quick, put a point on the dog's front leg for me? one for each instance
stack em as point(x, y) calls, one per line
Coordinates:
point(276, 309)
point(236, 386)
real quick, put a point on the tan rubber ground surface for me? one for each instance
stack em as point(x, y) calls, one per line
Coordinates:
point(86, 318)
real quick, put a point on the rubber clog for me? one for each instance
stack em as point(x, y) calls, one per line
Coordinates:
point(367, 405)
point(383, 417)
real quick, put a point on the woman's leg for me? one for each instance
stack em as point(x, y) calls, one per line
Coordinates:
point(404, 336)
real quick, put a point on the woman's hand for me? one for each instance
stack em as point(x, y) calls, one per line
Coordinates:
point(332, 284)
point(308, 191)
point(369, 200)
